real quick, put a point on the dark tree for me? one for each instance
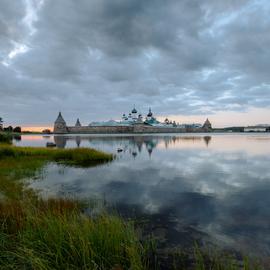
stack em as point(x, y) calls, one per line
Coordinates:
point(1, 123)
point(46, 131)
point(17, 129)
point(8, 129)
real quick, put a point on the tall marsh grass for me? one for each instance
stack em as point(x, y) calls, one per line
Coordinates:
point(54, 234)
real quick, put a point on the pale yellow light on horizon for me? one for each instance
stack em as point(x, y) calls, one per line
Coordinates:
point(36, 128)
point(253, 116)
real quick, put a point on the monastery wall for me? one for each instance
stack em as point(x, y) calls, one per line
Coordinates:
point(100, 129)
point(123, 129)
point(153, 129)
point(135, 129)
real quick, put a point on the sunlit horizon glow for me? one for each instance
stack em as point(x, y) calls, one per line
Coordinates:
point(252, 117)
point(36, 128)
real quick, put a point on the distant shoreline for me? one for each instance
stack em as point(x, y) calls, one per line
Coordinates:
point(133, 133)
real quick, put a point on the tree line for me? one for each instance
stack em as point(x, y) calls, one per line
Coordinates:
point(9, 128)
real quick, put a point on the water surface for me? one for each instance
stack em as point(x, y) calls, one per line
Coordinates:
point(209, 188)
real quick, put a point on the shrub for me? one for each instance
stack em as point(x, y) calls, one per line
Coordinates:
point(5, 138)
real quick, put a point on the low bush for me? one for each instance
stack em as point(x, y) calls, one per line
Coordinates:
point(5, 138)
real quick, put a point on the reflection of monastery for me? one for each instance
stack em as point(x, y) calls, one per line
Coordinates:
point(131, 123)
point(130, 144)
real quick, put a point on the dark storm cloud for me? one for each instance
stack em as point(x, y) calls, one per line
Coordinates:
point(95, 59)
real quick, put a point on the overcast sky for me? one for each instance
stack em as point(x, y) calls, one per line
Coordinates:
point(94, 59)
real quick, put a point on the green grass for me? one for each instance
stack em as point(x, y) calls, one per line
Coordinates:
point(5, 138)
point(82, 157)
point(17, 163)
point(55, 235)
point(216, 260)
point(211, 259)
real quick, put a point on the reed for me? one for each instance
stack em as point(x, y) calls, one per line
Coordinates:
point(54, 234)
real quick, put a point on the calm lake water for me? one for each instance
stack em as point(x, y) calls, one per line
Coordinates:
point(209, 188)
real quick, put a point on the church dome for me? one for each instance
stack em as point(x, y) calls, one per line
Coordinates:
point(78, 123)
point(150, 113)
point(134, 110)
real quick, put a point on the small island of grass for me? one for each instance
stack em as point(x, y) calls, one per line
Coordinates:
point(78, 157)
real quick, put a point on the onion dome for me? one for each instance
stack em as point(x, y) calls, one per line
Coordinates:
point(134, 110)
point(78, 124)
point(149, 113)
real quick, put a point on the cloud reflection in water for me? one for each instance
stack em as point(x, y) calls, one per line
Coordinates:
point(188, 185)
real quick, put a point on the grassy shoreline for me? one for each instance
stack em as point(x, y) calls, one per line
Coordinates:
point(54, 233)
